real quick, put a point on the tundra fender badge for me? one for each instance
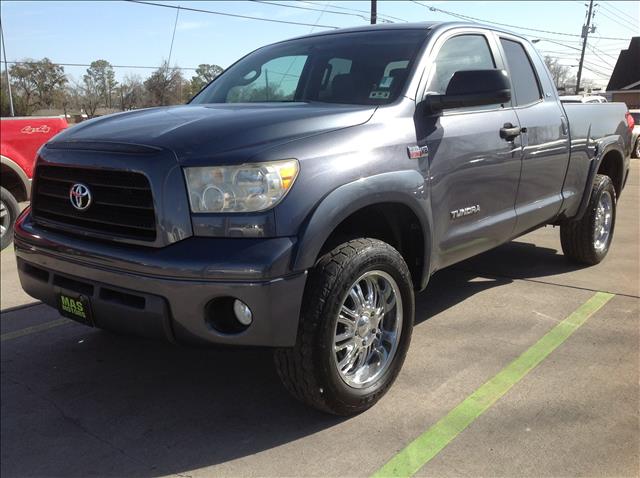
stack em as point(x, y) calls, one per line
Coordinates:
point(465, 211)
point(417, 152)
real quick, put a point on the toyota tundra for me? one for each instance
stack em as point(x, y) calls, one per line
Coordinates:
point(303, 197)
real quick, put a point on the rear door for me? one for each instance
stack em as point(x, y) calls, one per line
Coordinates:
point(472, 172)
point(544, 137)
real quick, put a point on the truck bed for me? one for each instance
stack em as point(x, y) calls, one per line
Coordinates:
point(593, 127)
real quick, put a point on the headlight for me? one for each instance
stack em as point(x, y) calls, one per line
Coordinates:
point(244, 188)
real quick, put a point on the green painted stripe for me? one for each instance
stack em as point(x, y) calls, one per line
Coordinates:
point(33, 329)
point(418, 453)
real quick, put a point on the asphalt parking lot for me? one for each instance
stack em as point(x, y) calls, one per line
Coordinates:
point(82, 402)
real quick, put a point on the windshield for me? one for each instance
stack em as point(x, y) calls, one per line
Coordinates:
point(356, 68)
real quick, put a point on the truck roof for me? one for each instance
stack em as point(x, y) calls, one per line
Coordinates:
point(404, 26)
point(379, 26)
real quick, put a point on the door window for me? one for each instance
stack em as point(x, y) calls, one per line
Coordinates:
point(464, 52)
point(524, 82)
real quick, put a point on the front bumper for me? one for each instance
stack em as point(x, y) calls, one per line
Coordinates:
point(162, 293)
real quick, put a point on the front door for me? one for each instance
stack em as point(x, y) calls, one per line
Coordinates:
point(473, 172)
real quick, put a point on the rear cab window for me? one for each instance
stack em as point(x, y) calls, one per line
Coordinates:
point(524, 82)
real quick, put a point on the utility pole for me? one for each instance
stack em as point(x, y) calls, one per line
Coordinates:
point(6, 70)
point(586, 29)
point(374, 11)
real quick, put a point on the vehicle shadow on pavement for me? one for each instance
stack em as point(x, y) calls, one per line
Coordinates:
point(495, 268)
point(144, 408)
point(87, 402)
point(519, 260)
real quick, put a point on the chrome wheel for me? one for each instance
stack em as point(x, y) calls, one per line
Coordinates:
point(5, 219)
point(368, 329)
point(603, 222)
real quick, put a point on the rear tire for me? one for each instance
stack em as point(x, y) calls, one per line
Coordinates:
point(636, 149)
point(587, 241)
point(9, 211)
point(311, 370)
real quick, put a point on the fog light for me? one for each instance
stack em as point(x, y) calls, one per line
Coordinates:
point(243, 312)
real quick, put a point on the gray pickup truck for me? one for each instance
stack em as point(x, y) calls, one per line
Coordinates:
point(302, 198)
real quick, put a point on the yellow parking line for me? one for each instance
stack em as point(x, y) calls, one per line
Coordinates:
point(33, 329)
point(420, 451)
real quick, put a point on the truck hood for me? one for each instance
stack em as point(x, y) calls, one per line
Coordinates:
point(206, 131)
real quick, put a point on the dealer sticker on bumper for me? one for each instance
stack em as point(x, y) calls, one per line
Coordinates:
point(76, 308)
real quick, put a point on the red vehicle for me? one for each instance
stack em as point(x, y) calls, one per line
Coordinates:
point(20, 139)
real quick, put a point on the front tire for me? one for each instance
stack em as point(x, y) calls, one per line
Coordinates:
point(9, 211)
point(587, 241)
point(355, 329)
point(636, 149)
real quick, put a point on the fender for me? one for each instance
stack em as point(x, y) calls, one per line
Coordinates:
point(404, 187)
point(15, 167)
point(603, 147)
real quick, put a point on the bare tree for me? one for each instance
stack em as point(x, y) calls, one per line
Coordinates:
point(165, 86)
point(88, 95)
point(35, 83)
point(561, 74)
point(132, 93)
point(5, 109)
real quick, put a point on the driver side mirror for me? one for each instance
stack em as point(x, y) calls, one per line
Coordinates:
point(472, 88)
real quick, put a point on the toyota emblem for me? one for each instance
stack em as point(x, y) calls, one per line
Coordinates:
point(80, 196)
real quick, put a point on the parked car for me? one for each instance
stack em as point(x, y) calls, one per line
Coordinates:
point(583, 99)
point(19, 142)
point(304, 196)
point(635, 135)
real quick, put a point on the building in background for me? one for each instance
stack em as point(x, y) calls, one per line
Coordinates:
point(624, 84)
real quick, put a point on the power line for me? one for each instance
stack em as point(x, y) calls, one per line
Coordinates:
point(613, 7)
point(601, 68)
point(480, 20)
point(559, 43)
point(558, 52)
point(636, 28)
point(335, 12)
point(88, 64)
point(601, 59)
point(602, 75)
point(326, 5)
point(620, 20)
point(610, 55)
point(175, 26)
point(235, 15)
point(610, 50)
point(633, 29)
point(355, 10)
point(563, 55)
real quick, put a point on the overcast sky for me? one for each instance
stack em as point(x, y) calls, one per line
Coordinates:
point(127, 33)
